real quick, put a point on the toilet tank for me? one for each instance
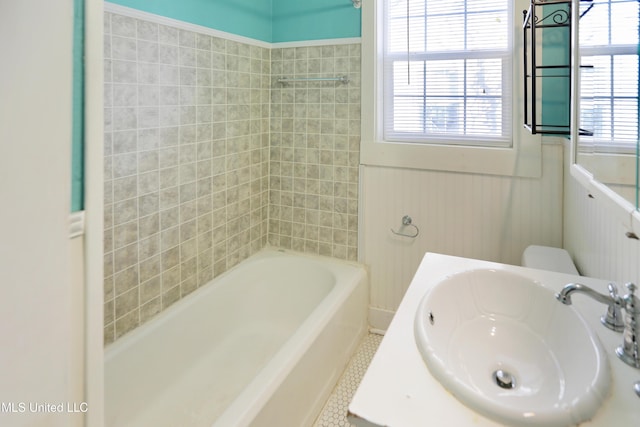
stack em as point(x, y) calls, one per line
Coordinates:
point(548, 258)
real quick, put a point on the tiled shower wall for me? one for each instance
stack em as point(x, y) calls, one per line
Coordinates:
point(314, 154)
point(186, 163)
point(208, 158)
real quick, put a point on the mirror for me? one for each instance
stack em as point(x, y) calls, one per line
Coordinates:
point(607, 97)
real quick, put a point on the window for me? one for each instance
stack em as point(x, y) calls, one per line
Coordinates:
point(447, 71)
point(442, 92)
point(609, 77)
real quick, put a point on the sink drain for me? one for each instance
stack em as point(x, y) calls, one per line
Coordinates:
point(504, 379)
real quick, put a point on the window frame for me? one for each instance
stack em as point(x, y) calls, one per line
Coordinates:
point(522, 158)
point(605, 160)
point(430, 58)
point(597, 145)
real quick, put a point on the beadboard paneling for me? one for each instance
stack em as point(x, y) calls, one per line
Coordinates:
point(477, 216)
point(596, 239)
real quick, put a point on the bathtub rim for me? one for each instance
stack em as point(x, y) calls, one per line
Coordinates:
point(123, 342)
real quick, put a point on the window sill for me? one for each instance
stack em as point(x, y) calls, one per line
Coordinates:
point(523, 160)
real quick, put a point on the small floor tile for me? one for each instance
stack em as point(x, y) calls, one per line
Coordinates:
point(334, 413)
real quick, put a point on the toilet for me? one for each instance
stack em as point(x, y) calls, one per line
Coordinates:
point(548, 258)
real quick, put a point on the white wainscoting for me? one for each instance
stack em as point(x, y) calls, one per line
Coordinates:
point(476, 216)
point(596, 239)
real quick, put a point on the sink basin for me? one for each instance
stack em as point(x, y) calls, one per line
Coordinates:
point(506, 348)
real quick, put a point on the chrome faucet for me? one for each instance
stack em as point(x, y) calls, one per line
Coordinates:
point(629, 351)
point(613, 318)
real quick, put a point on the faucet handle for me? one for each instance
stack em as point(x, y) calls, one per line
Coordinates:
point(631, 302)
point(613, 290)
point(629, 351)
point(613, 318)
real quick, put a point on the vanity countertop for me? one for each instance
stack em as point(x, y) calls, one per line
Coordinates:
point(399, 391)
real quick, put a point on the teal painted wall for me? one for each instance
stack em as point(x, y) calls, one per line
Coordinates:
point(248, 18)
point(266, 20)
point(296, 20)
point(556, 91)
point(77, 135)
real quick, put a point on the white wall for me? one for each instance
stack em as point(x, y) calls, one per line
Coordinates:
point(93, 242)
point(477, 216)
point(38, 316)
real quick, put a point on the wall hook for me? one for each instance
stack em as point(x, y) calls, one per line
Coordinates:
point(407, 222)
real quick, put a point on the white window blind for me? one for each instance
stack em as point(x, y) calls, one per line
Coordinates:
point(609, 77)
point(447, 69)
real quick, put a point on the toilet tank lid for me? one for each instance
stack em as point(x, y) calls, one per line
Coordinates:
point(549, 258)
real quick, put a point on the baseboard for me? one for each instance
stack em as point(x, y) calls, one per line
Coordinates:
point(379, 319)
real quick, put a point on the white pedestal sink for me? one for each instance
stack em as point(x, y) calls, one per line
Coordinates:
point(505, 347)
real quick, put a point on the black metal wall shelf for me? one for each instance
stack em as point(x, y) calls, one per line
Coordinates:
point(554, 17)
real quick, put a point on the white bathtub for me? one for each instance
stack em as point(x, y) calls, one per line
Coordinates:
point(261, 345)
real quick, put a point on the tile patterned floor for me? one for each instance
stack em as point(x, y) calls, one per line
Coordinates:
point(334, 413)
